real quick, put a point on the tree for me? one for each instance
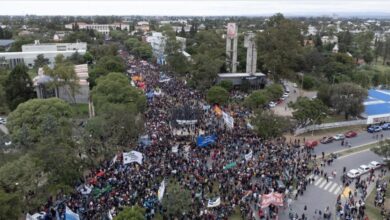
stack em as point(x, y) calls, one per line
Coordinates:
point(131, 213)
point(18, 87)
point(226, 84)
point(138, 48)
point(63, 76)
point(76, 58)
point(308, 112)
point(274, 91)
point(256, 99)
point(28, 124)
point(279, 46)
point(41, 61)
point(176, 199)
point(348, 98)
point(178, 63)
point(10, 205)
point(104, 66)
point(383, 150)
point(268, 125)
point(217, 95)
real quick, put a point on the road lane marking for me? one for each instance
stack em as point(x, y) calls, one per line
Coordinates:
point(327, 185)
point(357, 152)
point(318, 181)
point(323, 184)
point(336, 191)
point(332, 188)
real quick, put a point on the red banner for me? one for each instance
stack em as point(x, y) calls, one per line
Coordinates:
point(272, 198)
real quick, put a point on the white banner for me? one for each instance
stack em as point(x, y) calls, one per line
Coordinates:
point(175, 149)
point(132, 156)
point(186, 122)
point(161, 190)
point(85, 189)
point(249, 155)
point(214, 202)
point(228, 119)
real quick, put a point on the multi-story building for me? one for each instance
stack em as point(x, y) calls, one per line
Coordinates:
point(158, 41)
point(101, 28)
point(31, 51)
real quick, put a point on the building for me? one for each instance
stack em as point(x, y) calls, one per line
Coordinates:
point(81, 96)
point(335, 48)
point(101, 28)
point(158, 41)
point(377, 106)
point(256, 79)
point(31, 51)
point(142, 26)
point(231, 47)
point(329, 40)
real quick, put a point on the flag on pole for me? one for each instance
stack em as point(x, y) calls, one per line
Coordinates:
point(161, 190)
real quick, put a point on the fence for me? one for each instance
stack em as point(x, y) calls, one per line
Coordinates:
point(329, 125)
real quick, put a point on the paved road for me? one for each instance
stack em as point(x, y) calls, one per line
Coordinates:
point(321, 193)
point(361, 139)
point(4, 129)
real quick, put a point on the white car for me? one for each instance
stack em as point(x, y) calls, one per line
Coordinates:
point(339, 137)
point(364, 168)
point(285, 95)
point(374, 164)
point(295, 85)
point(7, 143)
point(353, 173)
point(272, 104)
point(3, 121)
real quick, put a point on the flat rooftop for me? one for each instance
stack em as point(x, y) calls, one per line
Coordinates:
point(377, 102)
point(233, 75)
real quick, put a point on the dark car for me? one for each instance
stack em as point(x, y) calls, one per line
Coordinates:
point(326, 140)
point(375, 128)
point(350, 134)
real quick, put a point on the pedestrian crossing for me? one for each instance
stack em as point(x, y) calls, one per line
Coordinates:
point(328, 186)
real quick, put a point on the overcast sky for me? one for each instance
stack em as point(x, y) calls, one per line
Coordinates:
point(194, 7)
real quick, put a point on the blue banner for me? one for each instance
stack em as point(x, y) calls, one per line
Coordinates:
point(203, 141)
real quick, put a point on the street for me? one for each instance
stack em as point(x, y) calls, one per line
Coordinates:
point(327, 192)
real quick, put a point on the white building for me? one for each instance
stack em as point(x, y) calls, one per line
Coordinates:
point(158, 41)
point(101, 28)
point(329, 40)
point(81, 96)
point(311, 30)
point(31, 51)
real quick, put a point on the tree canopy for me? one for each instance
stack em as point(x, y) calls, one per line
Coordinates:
point(131, 213)
point(217, 95)
point(268, 125)
point(308, 112)
point(18, 87)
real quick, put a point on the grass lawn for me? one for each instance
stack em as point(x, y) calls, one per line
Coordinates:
point(236, 215)
point(333, 118)
point(80, 110)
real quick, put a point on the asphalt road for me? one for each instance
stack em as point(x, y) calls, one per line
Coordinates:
point(361, 139)
point(321, 194)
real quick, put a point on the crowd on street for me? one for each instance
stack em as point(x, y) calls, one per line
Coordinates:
point(275, 166)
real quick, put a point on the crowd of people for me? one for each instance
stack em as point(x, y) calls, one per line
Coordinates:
point(276, 166)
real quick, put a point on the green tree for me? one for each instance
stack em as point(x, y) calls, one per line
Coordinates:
point(104, 66)
point(217, 95)
point(28, 124)
point(176, 199)
point(274, 91)
point(138, 48)
point(279, 46)
point(10, 205)
point(41, 61)
point(18, 87)
point(383, 150)
point(348, 98)
point(256, 99)
point(178, 63)
point(76, 58)
point(268, 125)
point(226, 84)
point(131, 213)
point(308, 112)
point(64, 76)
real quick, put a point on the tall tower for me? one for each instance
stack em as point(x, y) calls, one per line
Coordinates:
point(231, 47)
point(251, 53)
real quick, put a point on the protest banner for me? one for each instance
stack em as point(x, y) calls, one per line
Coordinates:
point(132, 156)
point(203, 141)
point(214, 202)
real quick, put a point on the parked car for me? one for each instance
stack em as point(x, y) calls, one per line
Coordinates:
point(338, 137)
point(285, 95)
point(374, 164)
point(375, 128)
point(350, 134)
point(295, 85)
point(364, 168)
point(272, 104)
point(385, 126)
point(311, 144)
point(326, 140)
point(3, 121)
point(353, 173)
point(7, 143)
